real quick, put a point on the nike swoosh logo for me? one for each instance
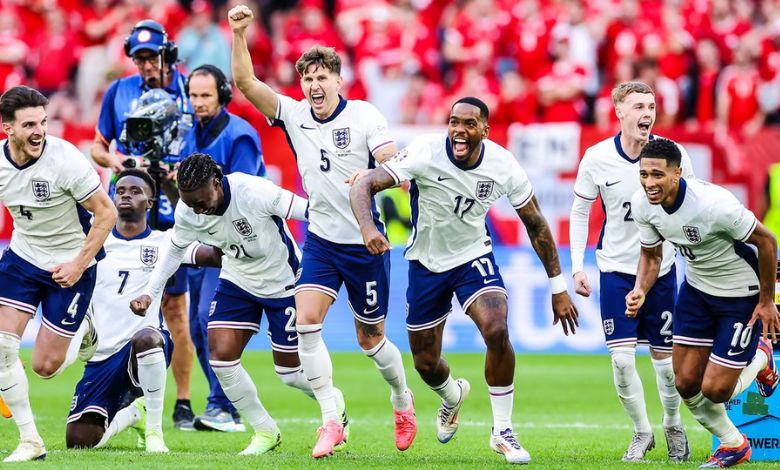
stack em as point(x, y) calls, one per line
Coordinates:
point(368, 312)
point(442, 178)
point(292, 338)
point(734, 353)
point(9, 388)
point(613, 183)
point(152, 391)
point(303, 126)
point(212, 233)
point(488, 281)
point(667, 340)
point(66, 322)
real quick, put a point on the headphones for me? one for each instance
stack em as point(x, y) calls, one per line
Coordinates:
point(224, 90)
point(169, 50)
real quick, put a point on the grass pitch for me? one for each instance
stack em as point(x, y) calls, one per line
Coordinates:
point(566, 414)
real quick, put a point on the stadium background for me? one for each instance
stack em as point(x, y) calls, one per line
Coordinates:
point(544, 67)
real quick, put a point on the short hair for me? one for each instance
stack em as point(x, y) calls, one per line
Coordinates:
point(195, 171)
point(20, 97)
point(321, 56)
point(484, 112)
point(140, 174)
point(620, 92)
point(664, 149)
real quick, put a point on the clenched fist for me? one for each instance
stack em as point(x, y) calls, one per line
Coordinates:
point(140, 304)
point(240, 17)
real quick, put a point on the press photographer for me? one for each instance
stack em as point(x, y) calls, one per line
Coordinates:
point(155, 55)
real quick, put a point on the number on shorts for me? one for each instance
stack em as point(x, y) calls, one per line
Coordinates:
point(741, 336)
point(289, 327)
point(73, 308)
point(124, 275)
point(371, 296)
point(666, 316)
point(482, 270)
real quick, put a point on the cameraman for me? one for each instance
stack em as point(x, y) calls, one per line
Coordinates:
point(235, 146)
point(155, 57)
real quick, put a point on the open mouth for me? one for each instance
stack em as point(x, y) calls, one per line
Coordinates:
point(35, 144)
point(318, 98)
point(644, 126)
point(653, 193)
point(460, 146)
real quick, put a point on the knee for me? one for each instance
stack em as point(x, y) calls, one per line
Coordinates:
point(495, 335)
point(623, 361)
point(47, 367)
point(145, 340)
point(717, 392)
point(222, 352)
point(686, 385)
point(425, 364)
point(75, 439)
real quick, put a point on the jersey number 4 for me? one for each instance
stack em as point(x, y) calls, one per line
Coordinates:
point(25, 212)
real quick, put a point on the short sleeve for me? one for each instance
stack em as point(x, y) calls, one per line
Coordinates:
point(410, 162)
point(82, 180)
point(377, 131)
point(518, 187)
point(584, 186)
point(687, 165)
point(648, 234)
point(734, 219)
point(285, 108)
point(267, 199)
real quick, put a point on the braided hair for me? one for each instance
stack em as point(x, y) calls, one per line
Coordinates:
point(197, 170)
point(142, 175)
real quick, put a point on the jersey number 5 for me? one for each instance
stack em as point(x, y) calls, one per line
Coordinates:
point(325, 165)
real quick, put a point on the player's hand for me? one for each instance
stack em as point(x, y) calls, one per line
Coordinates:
point(356, 176)
point(770, 320)
point(581, 284)
point(116, 162)
point(140, 304)
point(240, 17)
point(376, 242)
point(565, 312)
point(634, 301)
point(67, 274)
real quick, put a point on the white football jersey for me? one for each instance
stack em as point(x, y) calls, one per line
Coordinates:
point(606, 170)
point(328, 152)
point(709, 226)
point(449, 204)
point(121, 277)
point(260, 255)
point(43, 198)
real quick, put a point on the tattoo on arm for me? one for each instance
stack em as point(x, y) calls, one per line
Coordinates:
point(541, 236)
point(364, 188)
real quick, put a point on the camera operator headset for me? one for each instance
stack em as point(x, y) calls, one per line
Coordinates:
point(235, 145)
point(154, 54)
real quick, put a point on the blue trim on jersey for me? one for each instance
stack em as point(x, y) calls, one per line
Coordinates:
point(141, 235)
point(619, 148)
point(85, 220)
point(280, 124)
point(339, 108)
point(451, 156)
point(744, 251)
point(226, 197)
point(292, 258)
point(603, 225)
point(678, 201)
point(31, 162)
point(414, 200)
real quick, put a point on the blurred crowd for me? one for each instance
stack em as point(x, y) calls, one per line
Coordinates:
point(715, 64)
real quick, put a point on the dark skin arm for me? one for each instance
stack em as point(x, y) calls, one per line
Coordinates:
point(646, 275)
point(360, 195)
point(766, 311)
point(543, 242)
point(208, 256)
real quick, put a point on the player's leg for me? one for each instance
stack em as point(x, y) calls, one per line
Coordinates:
point(621, 333)
point(174, 307)
point(655, 327)
point(316, 289)
point(480, 289)
point(280, 314)
point(151, 355)
point(14, 386)
point(235, 318)
point(85, 433)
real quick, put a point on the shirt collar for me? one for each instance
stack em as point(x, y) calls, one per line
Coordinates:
point(451, 156)
point(679, 199)
point(226, 197)
point(141, 235)
point(342, 104)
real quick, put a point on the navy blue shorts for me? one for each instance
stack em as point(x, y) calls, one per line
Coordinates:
point(429, 295)
point(24, 286)
point(326, 265)
point(236, 309)
point(104, 384)
point(179, 284)
point(652, 326)
point(719, 323)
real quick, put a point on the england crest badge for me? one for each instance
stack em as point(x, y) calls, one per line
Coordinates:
point(609, 326)
point(341, 137)
point(484, 190)
point(692, 233)
point(148, 255)
point(40, 189)
point(242, 227)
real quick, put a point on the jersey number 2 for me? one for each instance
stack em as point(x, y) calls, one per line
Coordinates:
point(627, 207)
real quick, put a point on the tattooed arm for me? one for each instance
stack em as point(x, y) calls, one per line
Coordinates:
point(544, 245)
point(360, 195)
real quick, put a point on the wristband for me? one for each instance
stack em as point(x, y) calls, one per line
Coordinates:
point(557, 284)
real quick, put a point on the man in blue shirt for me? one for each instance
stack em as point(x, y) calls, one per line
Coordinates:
point(155, 56)
point(235, 146)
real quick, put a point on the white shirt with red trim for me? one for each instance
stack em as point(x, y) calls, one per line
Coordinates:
point(450, 202)
point(43, 197)
point(328, 152)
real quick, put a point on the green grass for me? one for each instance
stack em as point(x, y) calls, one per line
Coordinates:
point(566, 413)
